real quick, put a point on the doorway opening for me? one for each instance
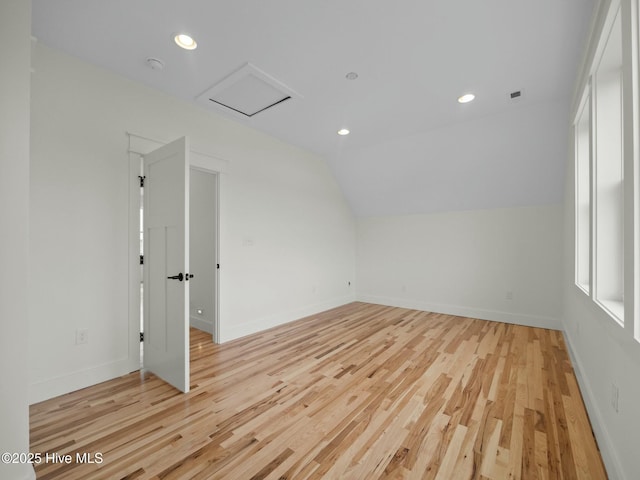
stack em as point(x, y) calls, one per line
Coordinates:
point(203, 252)
point(160, 307)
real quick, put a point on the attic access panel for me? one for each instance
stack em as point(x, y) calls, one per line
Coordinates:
point(247, 92)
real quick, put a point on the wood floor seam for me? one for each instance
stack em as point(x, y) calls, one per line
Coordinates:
point(362, 391)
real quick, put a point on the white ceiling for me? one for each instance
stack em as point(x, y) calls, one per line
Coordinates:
point(413, 148)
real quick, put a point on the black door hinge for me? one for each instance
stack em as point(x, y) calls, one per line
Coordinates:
point(141, 177)
point(141, 337)
point(141, 259)
point(218, 266)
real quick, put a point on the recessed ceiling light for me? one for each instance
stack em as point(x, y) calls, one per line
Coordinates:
point(185, 41)
point(351, 76)
point(466, 98)
point(343, 131)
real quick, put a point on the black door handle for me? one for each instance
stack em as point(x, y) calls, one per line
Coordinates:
point(177, 277)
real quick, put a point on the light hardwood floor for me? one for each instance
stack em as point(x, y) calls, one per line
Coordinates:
point(359, 392)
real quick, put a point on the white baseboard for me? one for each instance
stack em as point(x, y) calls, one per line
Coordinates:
point(608, 452)
point(52, 387)
point(236, 331)
point(201, 324)
point(494, 315)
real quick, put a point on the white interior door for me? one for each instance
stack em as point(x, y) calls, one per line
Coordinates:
point(166, 279)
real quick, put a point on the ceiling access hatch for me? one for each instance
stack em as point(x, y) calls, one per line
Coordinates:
point(247, 92)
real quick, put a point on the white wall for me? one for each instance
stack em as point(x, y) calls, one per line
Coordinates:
point(465, 263)
point(603, 356)
point(15, 51)
point(287, 236)
point(604, 353)
point(202, 249)
point(525, 143)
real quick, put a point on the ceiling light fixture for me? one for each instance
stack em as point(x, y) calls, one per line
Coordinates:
point(185, 41)
point(466, 98)
point(343, 132)
point(351, 76)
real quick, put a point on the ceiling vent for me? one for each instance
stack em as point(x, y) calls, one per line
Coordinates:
point(247, 92)
point(517, 95)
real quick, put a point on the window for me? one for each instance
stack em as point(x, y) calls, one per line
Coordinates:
point(583, 196)
point(599, 178)
point(608, 177)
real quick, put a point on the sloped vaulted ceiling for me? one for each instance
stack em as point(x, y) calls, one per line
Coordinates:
point(412, 147)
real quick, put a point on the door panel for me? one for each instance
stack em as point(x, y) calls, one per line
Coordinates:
point(166, 237)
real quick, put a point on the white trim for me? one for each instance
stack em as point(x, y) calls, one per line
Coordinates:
point(585, 103)
point(200, 324)
point(607, 28)
point(492, 315)
point(631, 167)
point(586, 107)
point(607, 450)
point(141, 145)
point(613, 14)
point(134, 261)
point(613, 308)
point(632, 174)
point(55, 386)
point(598, 19)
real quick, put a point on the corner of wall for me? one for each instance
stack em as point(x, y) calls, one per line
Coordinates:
point(200, 324)
point(228, 332)
point(52, 387)
point(461, 311)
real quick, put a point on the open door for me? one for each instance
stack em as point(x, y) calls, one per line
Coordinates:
point(166, 279)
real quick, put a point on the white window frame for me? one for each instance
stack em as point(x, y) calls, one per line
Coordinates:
point(583, 252)
point(608, 278)
point(608, 174)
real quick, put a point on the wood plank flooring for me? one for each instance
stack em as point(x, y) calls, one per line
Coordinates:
point(359, 392)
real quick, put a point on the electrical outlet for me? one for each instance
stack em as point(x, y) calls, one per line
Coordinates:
point(82, 336)
point(615, 395)
point(509, 295)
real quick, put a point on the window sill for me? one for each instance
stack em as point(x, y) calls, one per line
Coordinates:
point(584, 287)
point(614, 308)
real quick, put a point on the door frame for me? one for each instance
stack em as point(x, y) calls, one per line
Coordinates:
point(140, 145)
